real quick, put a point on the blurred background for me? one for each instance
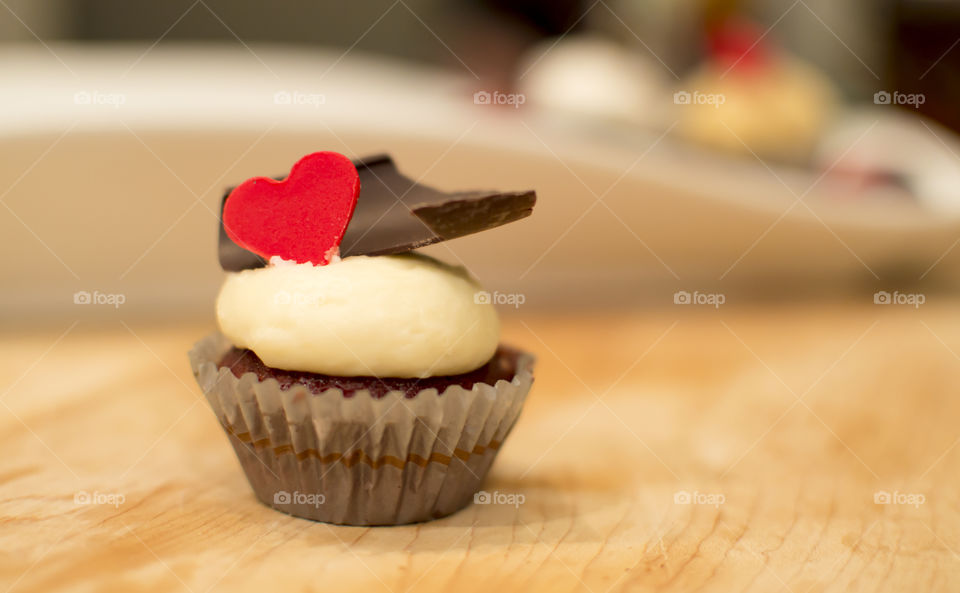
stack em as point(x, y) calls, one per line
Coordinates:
point(776, 150)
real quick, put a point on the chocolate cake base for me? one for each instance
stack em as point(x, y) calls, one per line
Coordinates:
point(503, 366)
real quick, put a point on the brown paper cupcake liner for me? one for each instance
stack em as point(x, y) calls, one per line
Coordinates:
point(360, 460)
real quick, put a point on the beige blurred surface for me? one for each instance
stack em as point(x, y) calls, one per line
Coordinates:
point(797, 416)
point(121, 198)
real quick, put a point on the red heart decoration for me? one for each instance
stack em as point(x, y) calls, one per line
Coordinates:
point(301, 218)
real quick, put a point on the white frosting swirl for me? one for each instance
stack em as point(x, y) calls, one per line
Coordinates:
point(386, 316)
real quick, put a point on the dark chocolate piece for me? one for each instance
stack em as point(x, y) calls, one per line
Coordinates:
point(234, 258)
point(394, 214)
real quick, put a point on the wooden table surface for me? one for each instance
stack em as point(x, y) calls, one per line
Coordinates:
point(682, 449)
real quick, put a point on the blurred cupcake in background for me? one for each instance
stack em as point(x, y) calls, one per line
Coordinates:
point(750, 97)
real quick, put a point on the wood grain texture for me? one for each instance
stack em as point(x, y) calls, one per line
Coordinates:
point(781, 424)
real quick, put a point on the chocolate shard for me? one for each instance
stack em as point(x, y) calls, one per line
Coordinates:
point(474, 212)
point(395, 214)
point(234, 258)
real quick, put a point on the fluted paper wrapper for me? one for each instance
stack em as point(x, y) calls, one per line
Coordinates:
point(360, 460)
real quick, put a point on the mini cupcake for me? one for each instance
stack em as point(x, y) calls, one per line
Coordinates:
point(358, 383)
